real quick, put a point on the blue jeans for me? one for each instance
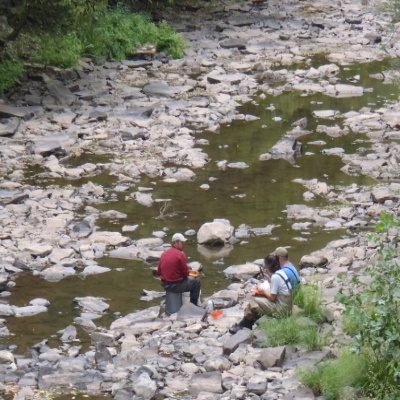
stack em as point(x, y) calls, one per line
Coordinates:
point(187, 284)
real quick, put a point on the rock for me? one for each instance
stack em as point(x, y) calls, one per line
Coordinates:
point(102, 356)
point(6, 357)
point(242, 271)
point(210, 380)
point(313, 261)
point(69, 334)
point(60, 92)
point(217, 364)
point(257, 384)
point(109, 238)
point(92, 304)
point(382, 194)
point(272, 357)
point(145, 199)
point(10, 111)
point(145, 387)
point(189, 311)
point(28, 310)
point(10, 128)
point(232, 343)
point(162, 89)
point(215, 233)
point(78, 380)
point(233, 43)
point(56, 273)
point(35, 249)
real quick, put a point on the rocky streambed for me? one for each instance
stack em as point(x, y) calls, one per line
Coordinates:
point(145, 123)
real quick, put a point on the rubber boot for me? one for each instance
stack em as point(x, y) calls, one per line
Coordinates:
point(244, 323)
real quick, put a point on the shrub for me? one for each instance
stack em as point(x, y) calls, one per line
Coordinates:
point(59, 50)
point(170, 41)
point(116, 33)
point(10, 72)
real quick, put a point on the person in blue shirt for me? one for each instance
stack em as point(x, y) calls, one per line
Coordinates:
point(286, 266)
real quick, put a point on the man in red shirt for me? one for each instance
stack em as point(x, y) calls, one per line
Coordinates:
point(174, 271)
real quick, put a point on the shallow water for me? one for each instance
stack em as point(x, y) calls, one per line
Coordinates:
point(256, 196)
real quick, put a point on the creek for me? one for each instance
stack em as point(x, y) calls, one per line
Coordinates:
point(256, 196)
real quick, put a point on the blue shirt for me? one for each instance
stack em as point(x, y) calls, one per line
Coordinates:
point(291, 272)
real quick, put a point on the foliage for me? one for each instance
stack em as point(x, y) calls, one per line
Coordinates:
point(380, 303)
point(169, 40)
point(61, 51)
point(372, 316)
point(292, 330)
point(10, 72)
point(330, 378)
point(309, 299)
point(116, 32)
point(59, 35)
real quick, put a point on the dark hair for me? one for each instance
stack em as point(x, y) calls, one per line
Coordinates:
point(271, 262)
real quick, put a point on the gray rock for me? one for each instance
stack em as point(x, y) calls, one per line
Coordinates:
point(77, 380)
point(210, 380)
point(162, 89)
point(92, 304)
point(272, 357)
point(10, 128)
point(107, 338)
point(215, 233)
point(242, 271)
point(233, 43)
point(217, 364)
point(145, 387)
point(257, 384)
point(242, 336)
point(6, 357)
point(56, 273)
point(69, 334)
point(102, 356)
point(28, 310)
point(189, 311)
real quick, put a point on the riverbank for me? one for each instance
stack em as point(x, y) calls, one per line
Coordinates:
point(141, 117)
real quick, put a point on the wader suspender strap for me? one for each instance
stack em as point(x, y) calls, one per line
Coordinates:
point(287, 268)
point(287, 281)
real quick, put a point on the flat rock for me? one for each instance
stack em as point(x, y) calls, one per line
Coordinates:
point(210, 380)
point(10, 127)
point(233, 43)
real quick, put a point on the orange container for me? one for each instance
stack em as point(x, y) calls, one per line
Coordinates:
point(216, 313)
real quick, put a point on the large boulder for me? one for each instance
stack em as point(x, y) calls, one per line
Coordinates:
point(217, 232)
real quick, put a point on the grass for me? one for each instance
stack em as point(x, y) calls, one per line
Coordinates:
point(360, 374)
point(309, 299)
point(330, 378)
point(291, 330)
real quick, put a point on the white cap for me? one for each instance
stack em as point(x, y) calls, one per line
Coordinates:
point(178, 237)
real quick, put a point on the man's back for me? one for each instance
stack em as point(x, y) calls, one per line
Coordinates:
point(291, 271)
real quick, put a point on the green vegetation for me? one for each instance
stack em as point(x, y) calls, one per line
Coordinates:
point(372, 317)
point(294, 329)
point(331, 378)
point(10, 72)
point(301, 328)
point(59, 35)
point(309, 299)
